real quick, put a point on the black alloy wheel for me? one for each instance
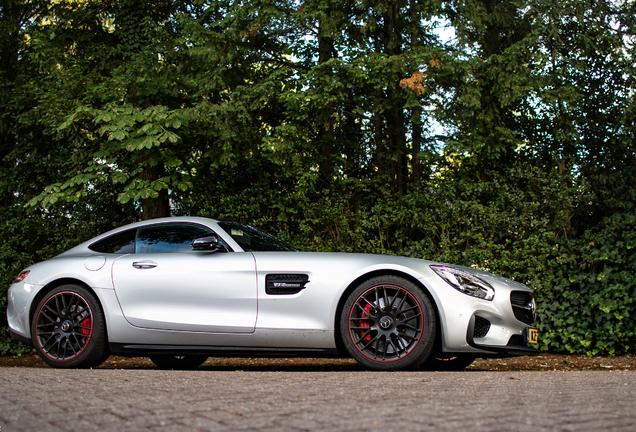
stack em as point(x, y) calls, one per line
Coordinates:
point(186, 362)
point(68, 328)
point(388, 323)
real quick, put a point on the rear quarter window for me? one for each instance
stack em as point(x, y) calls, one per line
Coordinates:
point(120, 243)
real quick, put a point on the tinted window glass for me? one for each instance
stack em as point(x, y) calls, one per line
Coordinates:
point(121, 243)
point(252, 239)
point(168, 238)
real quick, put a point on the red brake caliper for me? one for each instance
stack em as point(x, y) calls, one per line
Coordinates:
point(364, 323)
point(86, 323)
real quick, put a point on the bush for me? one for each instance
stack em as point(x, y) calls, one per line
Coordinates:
point(569, 239)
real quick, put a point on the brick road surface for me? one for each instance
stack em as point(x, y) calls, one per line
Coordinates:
point(46, 400)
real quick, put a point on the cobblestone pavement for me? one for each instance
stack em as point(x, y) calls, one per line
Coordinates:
point(46, 400)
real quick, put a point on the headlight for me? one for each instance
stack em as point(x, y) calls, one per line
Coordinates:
point(465, 282)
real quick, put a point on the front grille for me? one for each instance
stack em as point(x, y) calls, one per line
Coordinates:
point(482, 325)
point(517, 340)
point(520, 298)
point(522, 306)
point(285, 284)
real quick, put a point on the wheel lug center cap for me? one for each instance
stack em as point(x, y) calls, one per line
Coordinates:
point(386, 322)
point(66, 325)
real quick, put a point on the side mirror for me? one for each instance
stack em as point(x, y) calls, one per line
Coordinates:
point(208, 243)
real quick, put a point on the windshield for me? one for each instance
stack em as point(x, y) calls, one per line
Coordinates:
point(252, 239)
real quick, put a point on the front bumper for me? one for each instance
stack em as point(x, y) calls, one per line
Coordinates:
point(516, 344)
point(484, 328)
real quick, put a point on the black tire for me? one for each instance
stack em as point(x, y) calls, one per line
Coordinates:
point(166, 361)
point(450, 363)
point(68, 328)
point(388, 323)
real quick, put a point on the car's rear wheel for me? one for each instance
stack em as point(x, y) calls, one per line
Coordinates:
point(68, 328)
point(388, 323)
point(166, 361)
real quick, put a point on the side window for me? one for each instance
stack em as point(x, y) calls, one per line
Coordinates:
point(120, 243)
point(168, 238)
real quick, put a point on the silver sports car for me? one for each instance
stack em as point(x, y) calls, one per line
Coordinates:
point(181, 289)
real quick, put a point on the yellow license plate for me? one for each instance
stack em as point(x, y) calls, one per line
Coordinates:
point(532, 336)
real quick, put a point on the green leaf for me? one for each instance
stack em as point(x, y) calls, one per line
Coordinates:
point(119, 135)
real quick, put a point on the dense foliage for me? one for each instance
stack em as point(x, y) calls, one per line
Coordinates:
point(489, 133)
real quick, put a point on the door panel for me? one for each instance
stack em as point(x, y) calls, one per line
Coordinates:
point(192, 291)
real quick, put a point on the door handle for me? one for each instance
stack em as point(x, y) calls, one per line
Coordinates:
point(144, 264)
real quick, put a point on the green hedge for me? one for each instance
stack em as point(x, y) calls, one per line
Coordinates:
point(572, 242)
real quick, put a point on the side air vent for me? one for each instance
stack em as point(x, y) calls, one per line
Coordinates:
point(482, 325)
point(285, 284)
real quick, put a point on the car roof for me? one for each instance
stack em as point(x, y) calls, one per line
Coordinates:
point(83, 247)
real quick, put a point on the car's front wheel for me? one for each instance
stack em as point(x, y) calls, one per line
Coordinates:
point(166, 361)
point(388, 323)
point(68, 328)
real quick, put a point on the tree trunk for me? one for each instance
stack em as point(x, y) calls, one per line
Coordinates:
point(416, 114)
point(154, 207)
point(395, 115)
point(327, 122)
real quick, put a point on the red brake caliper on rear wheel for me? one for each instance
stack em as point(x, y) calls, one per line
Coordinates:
point(364, 323)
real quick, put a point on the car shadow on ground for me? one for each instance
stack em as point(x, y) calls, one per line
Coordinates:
point(542, 362)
